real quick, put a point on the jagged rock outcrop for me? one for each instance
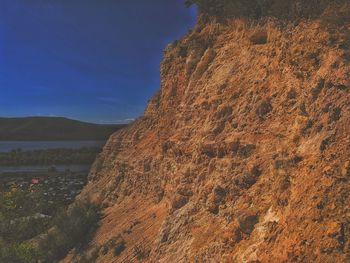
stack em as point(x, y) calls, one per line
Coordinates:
point(243, 155)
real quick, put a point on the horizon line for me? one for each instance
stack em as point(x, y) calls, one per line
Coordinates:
point(100, 122)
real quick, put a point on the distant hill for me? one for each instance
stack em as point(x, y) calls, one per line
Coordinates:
point(53, 129)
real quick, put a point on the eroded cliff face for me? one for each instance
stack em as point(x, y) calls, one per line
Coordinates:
point(243, 155)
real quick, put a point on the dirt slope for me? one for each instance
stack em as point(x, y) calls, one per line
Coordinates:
point(243, 155)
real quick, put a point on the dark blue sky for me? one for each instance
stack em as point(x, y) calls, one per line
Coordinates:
point(93, 60)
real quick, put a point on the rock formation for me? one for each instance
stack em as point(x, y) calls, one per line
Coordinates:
point(244, 153)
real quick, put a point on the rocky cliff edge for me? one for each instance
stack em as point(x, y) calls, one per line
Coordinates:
point(243, 154)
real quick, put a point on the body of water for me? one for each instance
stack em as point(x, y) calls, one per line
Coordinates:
point(8, 146)
point(43, 168)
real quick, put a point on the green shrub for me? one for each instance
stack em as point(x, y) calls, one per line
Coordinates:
point(18, 253)
point(26, 252)
point(285, 9)
point(23, 229)
point(71, 229)
point(17, 215)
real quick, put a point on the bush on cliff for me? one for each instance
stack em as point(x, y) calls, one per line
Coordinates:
point(18, 253)
point(285, 9)
point(71, 229)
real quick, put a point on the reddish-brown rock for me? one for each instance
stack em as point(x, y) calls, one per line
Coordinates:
point(243, 155)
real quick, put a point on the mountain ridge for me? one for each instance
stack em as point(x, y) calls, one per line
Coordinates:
point(53, 129)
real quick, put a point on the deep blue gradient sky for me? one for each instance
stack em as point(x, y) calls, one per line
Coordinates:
point(93, 60)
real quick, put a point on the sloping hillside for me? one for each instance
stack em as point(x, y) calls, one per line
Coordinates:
point(243, 155)
point(52, 129)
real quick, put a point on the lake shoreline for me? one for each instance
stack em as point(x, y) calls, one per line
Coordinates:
point(8, 146)
point(77, 168)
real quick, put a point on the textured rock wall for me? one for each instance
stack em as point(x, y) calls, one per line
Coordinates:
point(243, 155)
